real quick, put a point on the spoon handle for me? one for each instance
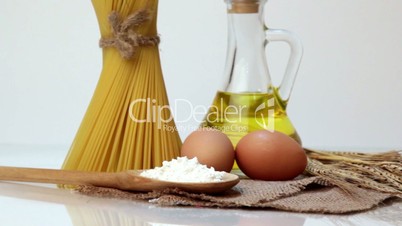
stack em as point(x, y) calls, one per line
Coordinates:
point(54, 176)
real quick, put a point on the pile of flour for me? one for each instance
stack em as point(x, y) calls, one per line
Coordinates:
point(183, 169)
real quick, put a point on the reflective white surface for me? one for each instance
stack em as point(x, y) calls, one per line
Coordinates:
point(42, 205)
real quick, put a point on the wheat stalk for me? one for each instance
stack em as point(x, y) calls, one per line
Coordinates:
point(380, 171)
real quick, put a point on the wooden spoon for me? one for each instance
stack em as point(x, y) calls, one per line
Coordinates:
point(128, 180)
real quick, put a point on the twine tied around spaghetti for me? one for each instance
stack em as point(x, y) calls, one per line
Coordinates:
point(125, 39)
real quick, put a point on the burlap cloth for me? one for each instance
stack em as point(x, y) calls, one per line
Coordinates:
point(302, 195)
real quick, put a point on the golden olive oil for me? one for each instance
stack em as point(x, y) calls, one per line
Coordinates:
point(237, 114)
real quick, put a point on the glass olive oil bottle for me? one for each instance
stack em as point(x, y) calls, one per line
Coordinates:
point(248, 101)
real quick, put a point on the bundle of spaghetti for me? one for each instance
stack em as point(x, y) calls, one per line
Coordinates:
point(378, 171)
point(125, 124)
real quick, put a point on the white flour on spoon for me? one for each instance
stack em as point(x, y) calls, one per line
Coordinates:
point(183, 169)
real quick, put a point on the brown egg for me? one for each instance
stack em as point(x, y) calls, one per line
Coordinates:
point(212, 148)
point(272, 156)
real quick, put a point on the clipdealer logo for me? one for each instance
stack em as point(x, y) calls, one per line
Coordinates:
point(265, 115)
point(154, 113)
point(227, 118)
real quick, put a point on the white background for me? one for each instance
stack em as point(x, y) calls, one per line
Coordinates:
point(348, 92)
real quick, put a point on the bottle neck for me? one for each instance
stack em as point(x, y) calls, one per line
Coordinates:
point(246, 69)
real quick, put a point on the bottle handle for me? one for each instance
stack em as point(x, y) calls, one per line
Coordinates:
point(296, 53)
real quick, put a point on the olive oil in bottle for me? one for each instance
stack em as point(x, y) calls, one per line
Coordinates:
point(237, 114)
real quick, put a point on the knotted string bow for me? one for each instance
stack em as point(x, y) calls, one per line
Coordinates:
point(125, 39)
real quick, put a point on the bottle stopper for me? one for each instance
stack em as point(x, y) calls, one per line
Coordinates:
point(244, 6)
